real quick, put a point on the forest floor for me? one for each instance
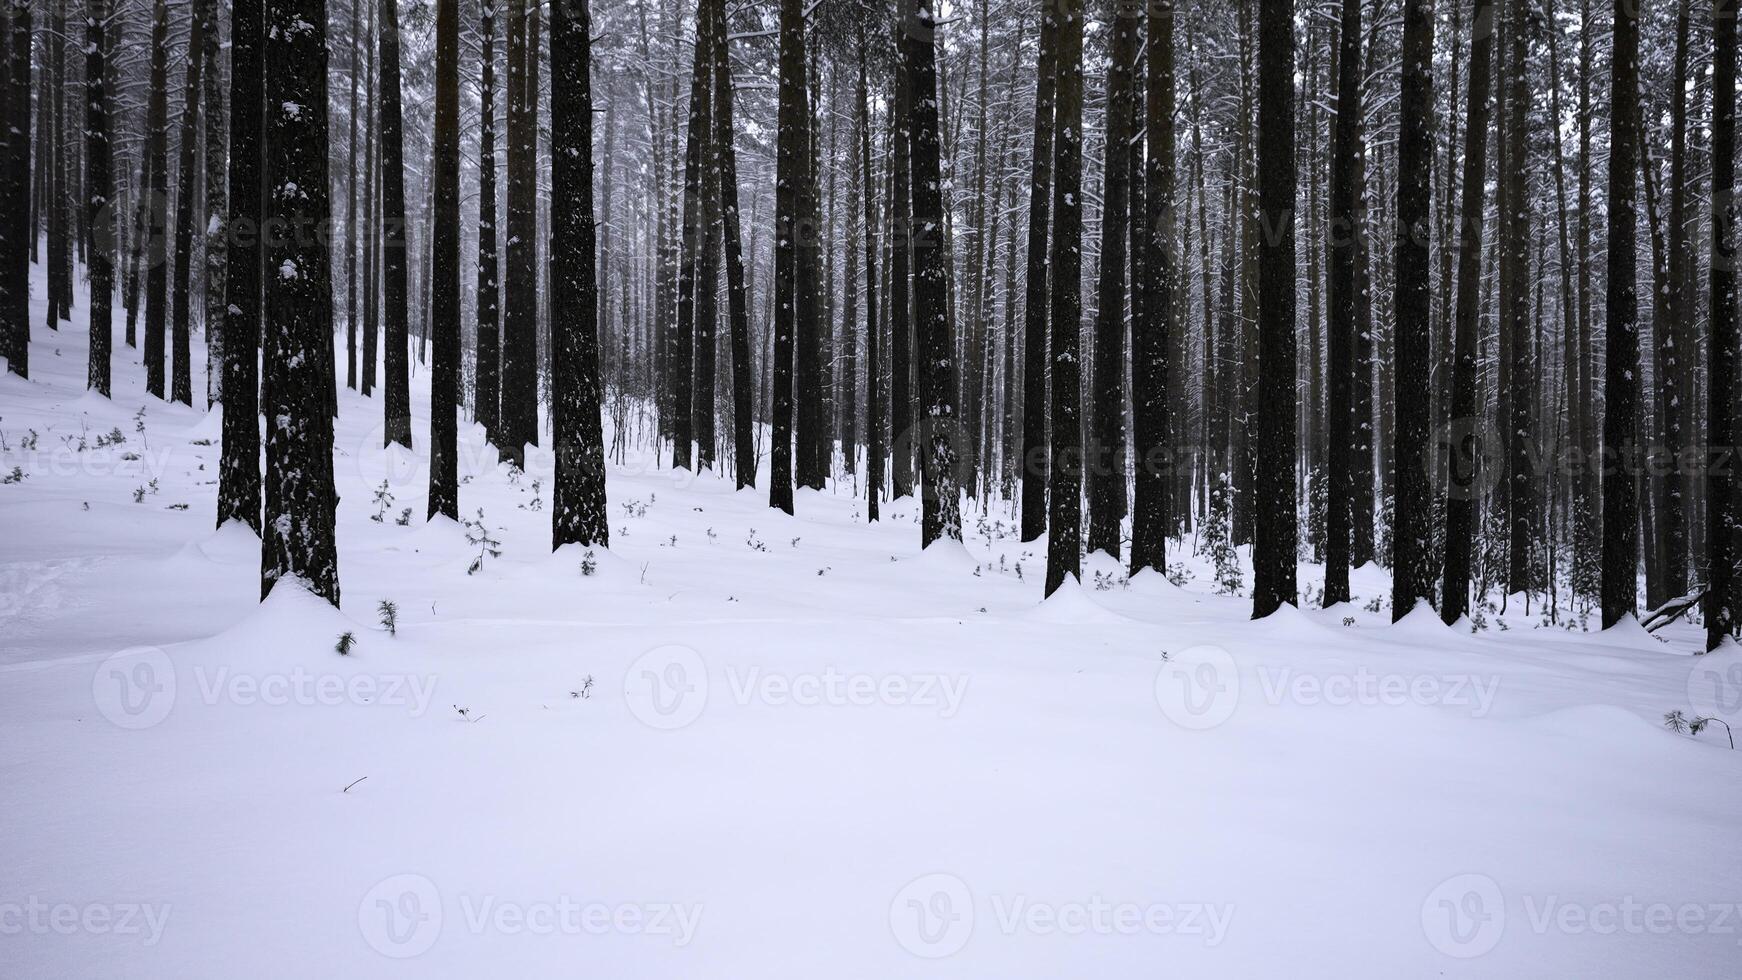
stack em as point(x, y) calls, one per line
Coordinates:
point(744, 744)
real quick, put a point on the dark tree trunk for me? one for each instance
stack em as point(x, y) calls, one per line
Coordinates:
point(1275, 531)
point(1412, 568)
point(15, 194)
point(787, 178)
point(942, 438)
point(371, 220)
point(397, 417)
point(487, 391)
point(1514, 234)
point(1106, 450)
point(1154, 325)
point(1676, 403)
point(900, 280)
point(157, 201)
point(1034, 456)
point(873, 411)
point(239, 466)
point(298, 537)
point(1721, 599)
point(444, 300)
point(98, 190)
point(809, 430)
point(1340, 309)
point(351, 206)
point(683, 355)
point(1064, 523)
point(54, 178)
point(737, 295)
point(1620, 565)
point(181, 385)
point(217, 166)
point(707, 286)
point(578, 501)
point(1464, 437)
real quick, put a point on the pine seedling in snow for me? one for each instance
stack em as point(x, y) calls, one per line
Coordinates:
point(589, 563)
point(383, 501)
point(389, 611)
point(478, 536)
point(1681, 724)
point(347, 640)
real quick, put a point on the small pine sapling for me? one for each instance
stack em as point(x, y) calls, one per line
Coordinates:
point(478, 536)
point(389, 611)
point(383, 502)
point(347, 640)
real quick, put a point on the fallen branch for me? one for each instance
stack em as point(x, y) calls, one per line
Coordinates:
point(1672, 610)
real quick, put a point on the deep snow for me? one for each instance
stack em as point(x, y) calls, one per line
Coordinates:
point(754, 745)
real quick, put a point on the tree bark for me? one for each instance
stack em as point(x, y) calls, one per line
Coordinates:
point(1275, 520)
point(298, 533)
point(578, 501)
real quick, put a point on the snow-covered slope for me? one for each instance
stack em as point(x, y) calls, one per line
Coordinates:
point(755, 745)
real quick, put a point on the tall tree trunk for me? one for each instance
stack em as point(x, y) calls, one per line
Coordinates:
point(394, 247)
point(1514, 234)
point(1105, 458)
point(487, 389)
point(1463, 488)
point(874, 429)
point(809, 430)
point(1064, 517)
point(1155, 326)
point(1676, 403)
point(519, 413)
point(684, 407)
point(901, 352)
point(1412, 535)
point(157, 151)
point(371, 214)
point(1620, 583)
point(707, 286)
point(217, 165)
point(942, 436)
point(787, 178)
point(239, 485)
point(1721, 506)
point(1275, 520)
point(444, 299)
point(1340, 302)
point(15, 193)
point(181, 385)
point(351, 206)
point(298, 534)
point(578, 501)
point(98, 200)
point(737, 294)
point(1034, 463)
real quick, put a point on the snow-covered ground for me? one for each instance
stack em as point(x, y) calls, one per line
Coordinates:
point(747, 744)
